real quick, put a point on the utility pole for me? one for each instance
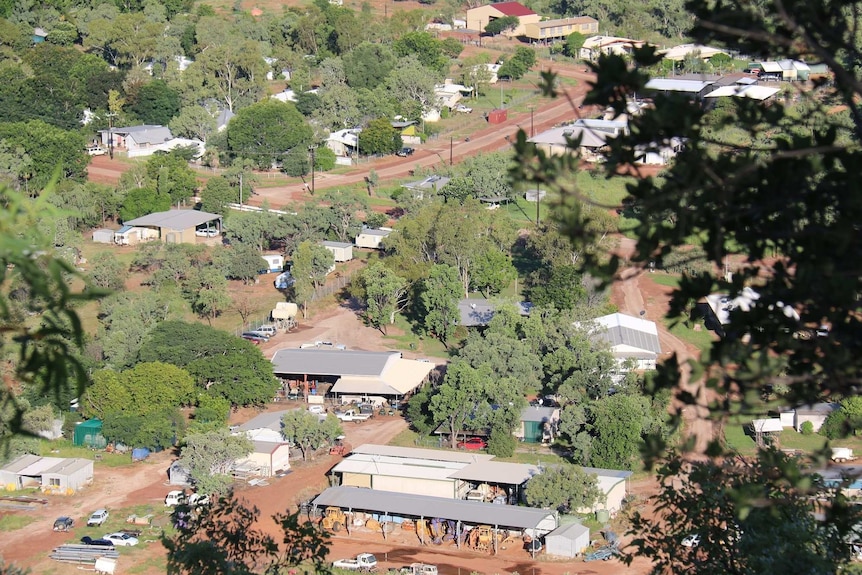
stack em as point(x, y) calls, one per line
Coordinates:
point(538, 200)
point(312, 149)
point(111, 134)
point(451, 144)
point(531, 121)
point(240, 188)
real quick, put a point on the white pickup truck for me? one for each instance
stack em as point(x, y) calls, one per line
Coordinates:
point(362, 562)
point(353, 415)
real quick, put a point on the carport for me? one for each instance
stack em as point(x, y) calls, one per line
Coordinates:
point(533, 522)
point(512, 476)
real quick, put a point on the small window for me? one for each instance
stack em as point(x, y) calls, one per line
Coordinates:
point(54, 482)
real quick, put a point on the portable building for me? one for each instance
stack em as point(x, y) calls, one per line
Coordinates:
point(89, 433)
point(103, 236)
point(178, 474)
point(342, 251)
point(567, 541)
point(274, 263)
point(498, 116)
point(372, 238)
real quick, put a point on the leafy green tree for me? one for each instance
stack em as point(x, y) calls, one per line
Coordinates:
point(414, 82)
point(379, 137)
point(559, 286)
point(367, 65)
point(574, 43)
point(501, 443)
point(502, 24)
point(308, 432)
point(493, 271)
point(171, 175)
point(211, 413)
point(210, 456)
point(233, 69)
point(52, 151)
point(244, 263)
point(217, 194)
point(156, 103)
point(126, 319)
point(565, 488)
point(385, 294)
point(307, 103)
point(439, 301)
point(311, 264)
point(221, 363)
point(845, 421)
point(425, 47)
point(267, 130)
point(107, 271)
point(258, 229)
point(211, 296)
point(142, 201)
point(193, 122)
point(343, 214)
point(453, 404)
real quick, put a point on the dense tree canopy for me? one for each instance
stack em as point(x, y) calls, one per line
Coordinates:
point(264, 132)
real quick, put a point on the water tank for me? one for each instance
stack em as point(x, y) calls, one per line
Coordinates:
point(603, 516)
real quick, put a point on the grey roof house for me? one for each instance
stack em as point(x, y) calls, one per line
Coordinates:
point(630, 338)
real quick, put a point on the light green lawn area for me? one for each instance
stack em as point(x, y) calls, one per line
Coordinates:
point(12, 522)
point(64, 448)
point(407, 340)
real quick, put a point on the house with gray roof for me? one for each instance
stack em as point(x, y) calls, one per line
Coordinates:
point(173, 226)
point(372, 238)
point(145, 140)
point(629, 338)
point(431, 185)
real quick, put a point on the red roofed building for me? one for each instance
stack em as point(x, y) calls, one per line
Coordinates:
point(478, 18)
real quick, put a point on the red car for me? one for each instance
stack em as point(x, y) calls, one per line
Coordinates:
point(473, 443)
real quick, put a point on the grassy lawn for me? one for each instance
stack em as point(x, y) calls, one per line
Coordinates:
point(14, 522)
point(702, 339)
point(664, 279)
point(409, 340)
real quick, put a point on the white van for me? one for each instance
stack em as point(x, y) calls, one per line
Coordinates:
point(174, 498)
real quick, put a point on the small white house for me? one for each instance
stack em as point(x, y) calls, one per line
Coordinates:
point(131, 235)
point(372, 238)
point(274, 262)
point(342, 251)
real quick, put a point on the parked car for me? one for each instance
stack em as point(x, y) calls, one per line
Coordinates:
point(463, 109)
point(268, 330)
point(404, 152)
point(602, 554)
point(98, 517)
point(174, 498)
point(121, 539)
point(473, 443)
point(691, 540)
point(254, 337)
point(96, 151)
point(86, 540)
point(196, 499)
point(63, 523)
point(316, 409)
point(206, 232)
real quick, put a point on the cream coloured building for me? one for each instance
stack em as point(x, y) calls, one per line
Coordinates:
point(478, 18)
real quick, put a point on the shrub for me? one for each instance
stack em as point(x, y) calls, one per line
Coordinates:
point(807, 428)
point(501, 443)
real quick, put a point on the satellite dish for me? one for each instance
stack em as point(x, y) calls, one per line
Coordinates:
point(643, 312)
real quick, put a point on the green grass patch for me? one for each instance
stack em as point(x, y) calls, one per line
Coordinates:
point(664, 279)
point(64, 448)
point(14, 522)
point(409, 340)
point(700, 337)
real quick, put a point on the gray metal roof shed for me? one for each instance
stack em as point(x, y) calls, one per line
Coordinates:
point(174, 219)
point(331, 362)
point(471, 512)
point(420, 453)
point(568, 541)
point(499, 472)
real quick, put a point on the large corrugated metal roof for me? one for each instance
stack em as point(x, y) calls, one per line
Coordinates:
point(419, 453)
point(674, 85)
point(399, 467)
point(620, 329)
point(471, 512)
point(497, 472)
point(174, 219)
point(334, 362)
